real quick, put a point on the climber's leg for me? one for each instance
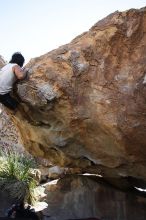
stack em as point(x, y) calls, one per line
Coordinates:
point(9, 101)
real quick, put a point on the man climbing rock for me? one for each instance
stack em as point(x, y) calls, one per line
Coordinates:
point(9, 74)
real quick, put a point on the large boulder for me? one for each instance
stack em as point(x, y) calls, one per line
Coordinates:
point(85, 103)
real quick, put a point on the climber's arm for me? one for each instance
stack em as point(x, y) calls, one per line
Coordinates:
point(20, 73)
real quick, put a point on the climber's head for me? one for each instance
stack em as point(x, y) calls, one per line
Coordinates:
point(18, 59)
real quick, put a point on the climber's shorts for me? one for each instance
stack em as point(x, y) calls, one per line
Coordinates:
point(9, 101)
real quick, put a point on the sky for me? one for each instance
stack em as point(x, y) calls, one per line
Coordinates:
point(35, 27)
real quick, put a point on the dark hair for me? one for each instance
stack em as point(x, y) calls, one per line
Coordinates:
point(18, 59)
point(18, 211)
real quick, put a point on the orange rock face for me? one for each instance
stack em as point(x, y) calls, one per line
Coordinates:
point(85, 102)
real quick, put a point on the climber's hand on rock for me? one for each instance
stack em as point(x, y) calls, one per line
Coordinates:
point(27, 72)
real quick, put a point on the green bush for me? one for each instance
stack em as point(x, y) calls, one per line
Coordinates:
point(15, 176)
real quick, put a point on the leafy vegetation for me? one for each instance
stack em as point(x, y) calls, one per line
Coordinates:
point(15, 177)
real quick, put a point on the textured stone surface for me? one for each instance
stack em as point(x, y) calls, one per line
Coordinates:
point(10, 136)
point(81, 197)
point(85, 102)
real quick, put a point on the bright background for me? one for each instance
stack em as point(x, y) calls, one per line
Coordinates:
point(35, 27)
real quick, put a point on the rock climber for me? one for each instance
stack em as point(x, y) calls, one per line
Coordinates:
point(9, 74)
